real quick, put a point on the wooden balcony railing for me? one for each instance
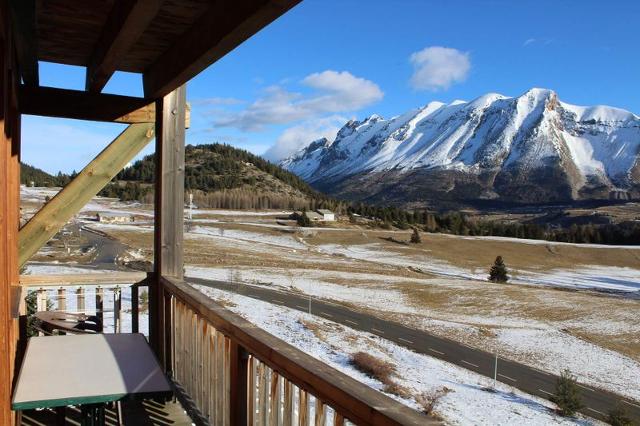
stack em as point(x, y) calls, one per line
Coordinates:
point(236, 373)
point(227, 370)
point(112, 295)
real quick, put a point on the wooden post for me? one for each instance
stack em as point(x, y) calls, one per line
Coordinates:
point(135, 309)
point(41, 300)
point(62, 299)
point(117, 308)
point(168, 211)
point(100, 306)
point(80, 302)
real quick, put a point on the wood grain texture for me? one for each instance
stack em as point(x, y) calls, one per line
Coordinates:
point(223, 27)
point(127, 21)
point(23, 18)
point(10, 347)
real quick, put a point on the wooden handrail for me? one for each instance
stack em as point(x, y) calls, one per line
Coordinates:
point(57, 280)
point(348, 397)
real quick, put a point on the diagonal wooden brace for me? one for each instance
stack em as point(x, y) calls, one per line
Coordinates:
point(99, 172)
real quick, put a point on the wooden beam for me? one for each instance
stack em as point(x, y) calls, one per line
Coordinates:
point(221, 29)
point(126, 22)
point(168, 211)
point(52, 217)
point(23, 17)
point(56, 280)
point(169, 191)
point(76, 104)
point(63, 103)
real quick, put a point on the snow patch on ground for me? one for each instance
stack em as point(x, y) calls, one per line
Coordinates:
point(467, 403)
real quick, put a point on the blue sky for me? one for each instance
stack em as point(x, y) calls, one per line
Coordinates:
point(327, 61)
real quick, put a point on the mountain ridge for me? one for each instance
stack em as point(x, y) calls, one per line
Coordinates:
point(524, 149)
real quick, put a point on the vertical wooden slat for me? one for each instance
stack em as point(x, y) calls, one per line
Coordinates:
point(220, 373)
point(80, 301)
point(338, 419)
point(100, 305)
point(117, 309)
point(251, 412)
point(239, 385)
point(262, 395)
point(227, 381)
point(214, 373)
point(287, 415)
point(274, 398)
point(303, 406)
point(135, 309)
point(320, 413)
point(41, 300)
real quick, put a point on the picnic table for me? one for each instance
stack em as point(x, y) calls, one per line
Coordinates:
point(88, 370)
point(68, 322)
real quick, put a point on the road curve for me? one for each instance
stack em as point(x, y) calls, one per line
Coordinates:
point(597, 402)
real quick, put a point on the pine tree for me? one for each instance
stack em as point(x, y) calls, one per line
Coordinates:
point(415, 236)
point(567, 396)
point(498, 272)
point(303, 219)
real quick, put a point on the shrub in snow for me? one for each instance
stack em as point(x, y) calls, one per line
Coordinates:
point(619, 417)
point(428, 400)
point(498, 272)
point(373, 367)
point(415, 237)
point(567, 396)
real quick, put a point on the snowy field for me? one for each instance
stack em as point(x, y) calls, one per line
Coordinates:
point(544, 345)
point(625, 279)
point(467, 402)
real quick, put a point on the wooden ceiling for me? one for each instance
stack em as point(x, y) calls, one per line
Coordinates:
point(167, 41)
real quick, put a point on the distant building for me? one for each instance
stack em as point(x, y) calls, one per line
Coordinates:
point(313, 216)
point(114, 218)
point(320, 215)
point(327, 215)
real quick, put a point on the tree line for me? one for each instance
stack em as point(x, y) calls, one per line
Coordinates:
point(457, 223)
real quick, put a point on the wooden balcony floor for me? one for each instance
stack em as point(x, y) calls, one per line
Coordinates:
point(143, 413)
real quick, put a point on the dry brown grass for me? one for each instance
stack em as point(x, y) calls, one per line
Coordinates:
point(381, 370)
point(444, 299)
point(373, 367)
point(428, 400)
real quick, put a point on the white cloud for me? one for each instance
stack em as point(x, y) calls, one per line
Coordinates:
point(218, 101)
point(296, 137)
point(334, 92)
point(437, 67)
point(529, 41)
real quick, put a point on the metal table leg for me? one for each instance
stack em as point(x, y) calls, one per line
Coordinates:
point(92, 415)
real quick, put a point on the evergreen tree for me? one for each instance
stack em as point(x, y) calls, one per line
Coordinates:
point(415, 236)
point(567, 396)
point(498, 272)
point(303, 219)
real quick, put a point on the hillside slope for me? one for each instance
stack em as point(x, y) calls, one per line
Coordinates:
point(221, 176)
point(529, 149)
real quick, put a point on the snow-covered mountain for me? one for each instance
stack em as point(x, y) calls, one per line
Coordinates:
point(532, 148)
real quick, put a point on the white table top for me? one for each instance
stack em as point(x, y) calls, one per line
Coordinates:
point(86, 369)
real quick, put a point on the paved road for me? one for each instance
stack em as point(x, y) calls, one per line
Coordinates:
point(597, 402)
